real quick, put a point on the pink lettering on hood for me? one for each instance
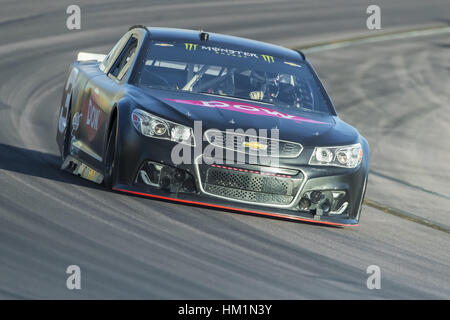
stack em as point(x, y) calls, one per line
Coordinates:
point(246, 108)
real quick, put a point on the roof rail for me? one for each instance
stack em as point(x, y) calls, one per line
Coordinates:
point(136, 26)
point(301, 53)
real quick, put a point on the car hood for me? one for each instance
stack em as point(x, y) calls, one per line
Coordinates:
point(222, 113)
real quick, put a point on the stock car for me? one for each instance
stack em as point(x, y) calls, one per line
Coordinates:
point(212, 120)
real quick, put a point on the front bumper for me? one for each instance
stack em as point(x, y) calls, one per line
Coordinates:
point(298, 179)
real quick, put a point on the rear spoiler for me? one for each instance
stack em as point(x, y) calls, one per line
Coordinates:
point(87, 56)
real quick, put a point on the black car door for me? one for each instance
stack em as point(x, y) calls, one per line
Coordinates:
point(100, 95)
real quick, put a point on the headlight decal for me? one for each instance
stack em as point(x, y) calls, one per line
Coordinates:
point(155, 127)
point(342, 156)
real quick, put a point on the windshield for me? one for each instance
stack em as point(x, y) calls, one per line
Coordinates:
point(201, 68)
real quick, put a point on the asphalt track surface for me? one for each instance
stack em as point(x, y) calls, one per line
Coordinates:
point(395, 92)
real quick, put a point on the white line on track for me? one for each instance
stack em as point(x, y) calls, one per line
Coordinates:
point(378, 38)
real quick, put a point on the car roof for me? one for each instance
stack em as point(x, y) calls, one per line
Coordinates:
point(216, 39)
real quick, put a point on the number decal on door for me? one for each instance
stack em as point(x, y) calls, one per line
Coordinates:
point(68, 94)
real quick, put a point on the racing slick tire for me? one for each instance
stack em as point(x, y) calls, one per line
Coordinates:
point(110, 157)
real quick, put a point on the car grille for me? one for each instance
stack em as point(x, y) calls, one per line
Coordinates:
point(249, 185)
point(236, 142)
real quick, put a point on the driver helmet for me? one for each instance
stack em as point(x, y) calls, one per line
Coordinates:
point(266, 82)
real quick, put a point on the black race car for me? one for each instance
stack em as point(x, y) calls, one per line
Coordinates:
point(214, 120)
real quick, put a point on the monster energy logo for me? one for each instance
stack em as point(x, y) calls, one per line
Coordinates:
point(267, 58)
point(190, 46)
point(230, 52)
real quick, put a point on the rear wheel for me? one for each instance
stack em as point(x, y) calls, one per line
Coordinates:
point(110, 157)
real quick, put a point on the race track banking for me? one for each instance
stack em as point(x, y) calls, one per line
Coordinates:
point(396, 92)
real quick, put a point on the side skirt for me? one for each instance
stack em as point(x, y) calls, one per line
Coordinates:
point(81, 169)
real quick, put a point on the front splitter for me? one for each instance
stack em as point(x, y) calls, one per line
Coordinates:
point(193, 200)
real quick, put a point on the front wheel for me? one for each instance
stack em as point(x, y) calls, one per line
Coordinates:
point(67, 137)
point(110, 157)
point(363, 194)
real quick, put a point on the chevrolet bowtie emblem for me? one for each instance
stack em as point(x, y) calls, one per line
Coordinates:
point(255, 145)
